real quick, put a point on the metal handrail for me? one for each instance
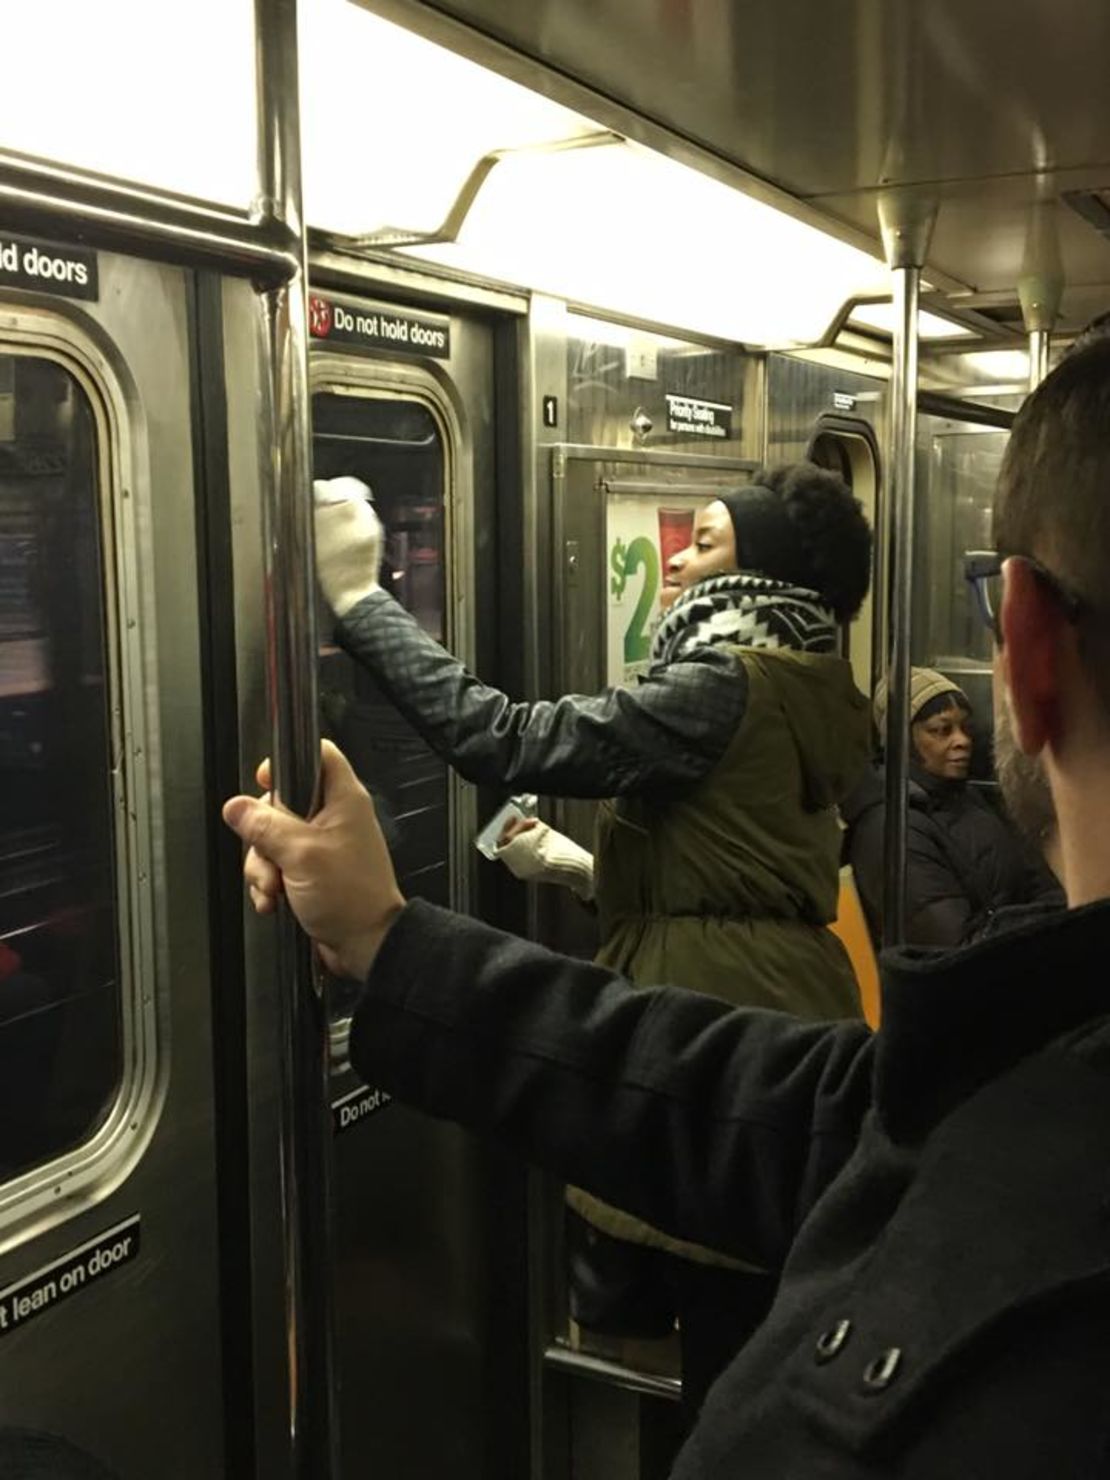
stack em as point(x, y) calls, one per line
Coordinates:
point(632, 1379)
point(40, 198)
point(460, 208)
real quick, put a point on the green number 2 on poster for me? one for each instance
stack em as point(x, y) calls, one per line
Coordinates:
point(624, 561)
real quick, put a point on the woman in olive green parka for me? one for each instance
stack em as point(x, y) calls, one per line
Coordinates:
point(716, 860)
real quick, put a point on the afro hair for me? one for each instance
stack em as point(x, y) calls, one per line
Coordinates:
point(832, 528)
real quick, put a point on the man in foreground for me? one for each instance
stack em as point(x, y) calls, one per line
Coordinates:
point(937, 1195)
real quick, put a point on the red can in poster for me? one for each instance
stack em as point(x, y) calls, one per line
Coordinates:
point(676, 530)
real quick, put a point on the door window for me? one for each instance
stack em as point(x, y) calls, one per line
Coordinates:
point(60, 973)
point(395, 446)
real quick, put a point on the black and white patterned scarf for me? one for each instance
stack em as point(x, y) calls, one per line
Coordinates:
point(748, 610)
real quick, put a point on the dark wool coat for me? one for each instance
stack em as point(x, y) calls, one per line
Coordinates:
point(938, 1195)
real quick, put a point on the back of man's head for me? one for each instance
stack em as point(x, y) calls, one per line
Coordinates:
point(1053, 496)
point(1093, 333)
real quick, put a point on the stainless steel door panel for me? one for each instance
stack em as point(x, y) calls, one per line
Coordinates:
point(129, 1367)
point(418, 1288)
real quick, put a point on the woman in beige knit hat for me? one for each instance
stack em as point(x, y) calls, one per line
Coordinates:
point(964, 860)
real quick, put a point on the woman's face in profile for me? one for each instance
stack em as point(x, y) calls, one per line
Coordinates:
point(943, 743)
point(711, 552)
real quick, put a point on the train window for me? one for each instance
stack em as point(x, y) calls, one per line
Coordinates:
point(395, 445)
point(957, 469)
point(847, 445)
point(60, 960)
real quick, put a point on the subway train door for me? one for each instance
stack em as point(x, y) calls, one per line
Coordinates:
point(109, 1248)
point(404, 402)
point(619, 515)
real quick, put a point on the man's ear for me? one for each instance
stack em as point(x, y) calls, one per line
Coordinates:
point(1033, 627)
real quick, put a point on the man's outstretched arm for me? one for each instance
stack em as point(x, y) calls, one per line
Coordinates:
point(717, 1125)
point(720, 1126)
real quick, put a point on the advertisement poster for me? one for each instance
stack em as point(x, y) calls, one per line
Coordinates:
point(642, 534)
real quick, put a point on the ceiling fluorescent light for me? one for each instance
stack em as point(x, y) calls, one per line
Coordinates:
point(155, 94)
point(880, 316)
point(377, 153)
point(1010, 366)
point(628, 230)
point(616, 228)
point(617, 336)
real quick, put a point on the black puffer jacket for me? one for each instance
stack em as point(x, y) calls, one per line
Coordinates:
point(964, 862)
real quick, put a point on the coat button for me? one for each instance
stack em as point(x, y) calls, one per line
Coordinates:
point(879, 1374)
point(830, 1342)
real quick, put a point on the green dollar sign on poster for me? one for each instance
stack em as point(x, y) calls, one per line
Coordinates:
point(619, 578)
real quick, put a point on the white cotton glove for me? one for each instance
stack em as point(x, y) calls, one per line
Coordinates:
point(540, 855)
point(349, 538)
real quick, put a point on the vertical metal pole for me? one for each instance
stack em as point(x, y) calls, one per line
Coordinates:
point(306, 1123)
point(1041, 285)
point(907, 229)
point(1038, 356)
point(900, 503)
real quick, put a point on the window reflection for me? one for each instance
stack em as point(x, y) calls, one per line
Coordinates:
point(60, 1046)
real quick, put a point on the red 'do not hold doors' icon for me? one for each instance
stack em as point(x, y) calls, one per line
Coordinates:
point(319, 317)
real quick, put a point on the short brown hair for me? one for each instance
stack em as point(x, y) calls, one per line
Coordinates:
point(1053, 495)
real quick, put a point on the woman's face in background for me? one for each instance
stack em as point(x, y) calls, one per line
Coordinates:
point(943, 743)
point(711, 552)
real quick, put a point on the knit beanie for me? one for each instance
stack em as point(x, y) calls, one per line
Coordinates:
point(925, 684)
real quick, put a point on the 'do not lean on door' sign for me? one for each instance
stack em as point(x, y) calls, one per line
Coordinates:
point(373, 327)
point(83, 1266)
point(347, 1111)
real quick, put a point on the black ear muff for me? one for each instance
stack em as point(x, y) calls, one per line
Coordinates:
point(767, 543)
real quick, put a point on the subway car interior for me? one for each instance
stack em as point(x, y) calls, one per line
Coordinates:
point(543, 277)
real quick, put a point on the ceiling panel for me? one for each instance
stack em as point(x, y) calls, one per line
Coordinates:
point(843, 94)
point(982, 229)
point(829, 101)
